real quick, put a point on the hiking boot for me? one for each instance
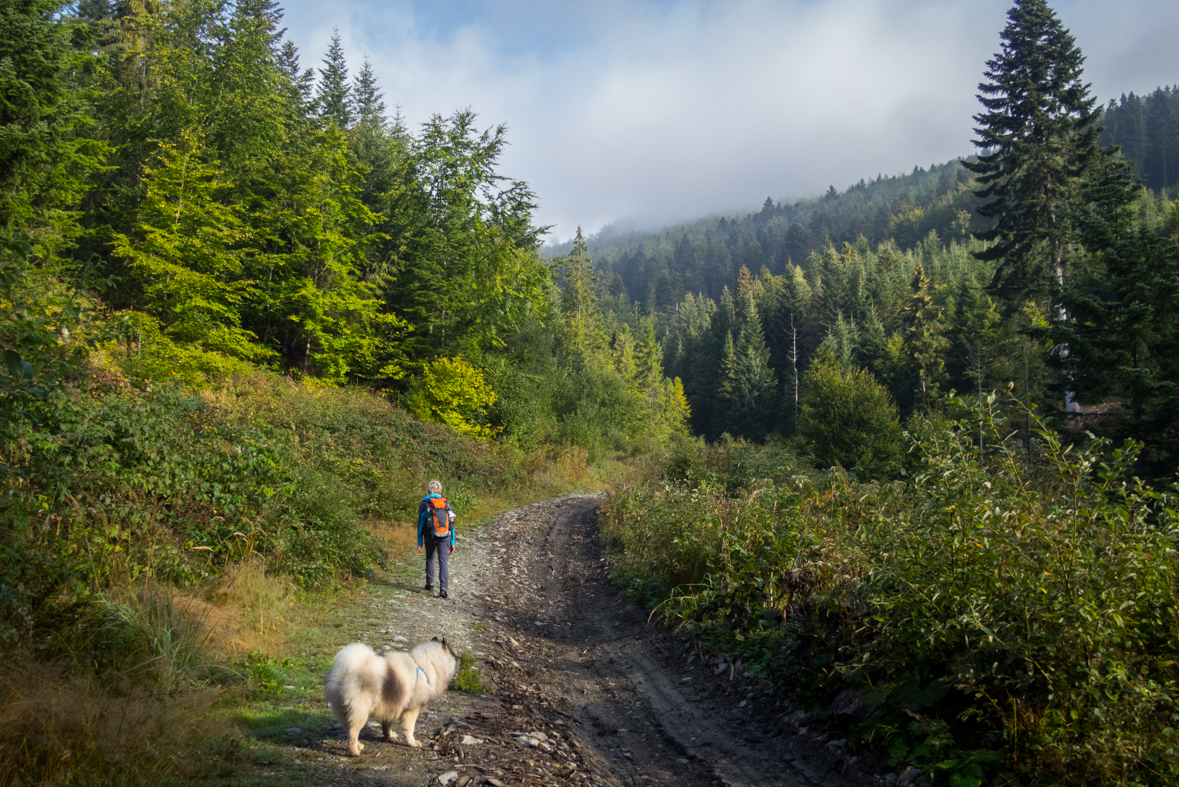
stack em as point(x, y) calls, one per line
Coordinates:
point(429, 587)
point(442, 593)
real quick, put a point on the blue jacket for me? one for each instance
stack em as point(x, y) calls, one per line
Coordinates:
point(423, 508)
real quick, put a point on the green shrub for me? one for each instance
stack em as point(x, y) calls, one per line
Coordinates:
point(40, 341)
point(1004, 614)
point(848, 419)
point(112, 480)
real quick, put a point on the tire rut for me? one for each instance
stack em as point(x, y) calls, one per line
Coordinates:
point(624, 685)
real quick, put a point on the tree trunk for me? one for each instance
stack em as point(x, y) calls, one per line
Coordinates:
point(1070, 399)
point(794, 364)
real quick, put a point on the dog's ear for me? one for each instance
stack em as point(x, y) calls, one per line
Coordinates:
point(435, 639)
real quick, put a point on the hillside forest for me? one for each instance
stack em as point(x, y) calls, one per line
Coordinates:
point(892, 276)
point(904, 450)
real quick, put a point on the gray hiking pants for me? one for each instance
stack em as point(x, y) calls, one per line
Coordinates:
point(442, 546)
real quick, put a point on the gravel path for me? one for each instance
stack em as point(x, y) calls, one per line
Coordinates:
point(582, 690)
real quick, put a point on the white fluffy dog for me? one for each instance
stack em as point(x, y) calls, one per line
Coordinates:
point(389, 687)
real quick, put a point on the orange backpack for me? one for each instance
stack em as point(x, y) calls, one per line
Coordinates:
point(439, 514)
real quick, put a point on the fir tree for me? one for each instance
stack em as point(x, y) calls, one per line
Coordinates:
point(674, 411)
point(1039, 137)
point(382, 154)
point(46, 156)
point(746, 290)
point(187, 254)
point(980, 340)
point(785, 332)
point(872, 341)
point(843, 337)
point(923, 340)
point(334, 94)
point(299, 85)
point(368, 104)
point(1162, 123)
point(580, 302)
point(1123, 335)
point(747, 391)
point(622, 349)
point(648, 359)
point(848, 419)
point(245, 118)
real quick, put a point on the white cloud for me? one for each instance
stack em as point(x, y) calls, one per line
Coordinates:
point(668, 110)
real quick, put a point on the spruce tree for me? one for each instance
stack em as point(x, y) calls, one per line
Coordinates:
point(381, 153)
point(368, 104)
point(1162, 123)
point(849, 419)
point(335, 94)
point(872, 341)
point(784, 332)
point(1123, 335)
point(844, 339)
point(648, 359)
point(622, 348)
point(1039, 137)
point(245, 113)
point(706, 366)
point(581, 305)
point(46, 153)
point(982, 343)
point(186, 253)
point(923, 340)
point(748, 387)
point(299, 85)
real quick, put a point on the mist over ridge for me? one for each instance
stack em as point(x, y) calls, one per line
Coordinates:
point(647, 114)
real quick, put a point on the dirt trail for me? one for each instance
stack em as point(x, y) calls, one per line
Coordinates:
point(582, 690)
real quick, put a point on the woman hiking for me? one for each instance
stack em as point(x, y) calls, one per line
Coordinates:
point(436, 534)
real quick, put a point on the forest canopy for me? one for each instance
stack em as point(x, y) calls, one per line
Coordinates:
point(223, 206)
point(219, 205)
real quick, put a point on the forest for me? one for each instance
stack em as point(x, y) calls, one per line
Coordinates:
point(235, 210)
point(892, 275)
point(910, 446)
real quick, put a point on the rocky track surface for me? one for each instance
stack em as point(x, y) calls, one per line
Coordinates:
point(582, 689)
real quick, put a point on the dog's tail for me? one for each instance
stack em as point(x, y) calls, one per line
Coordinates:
point(352, 657)
point(352, 682)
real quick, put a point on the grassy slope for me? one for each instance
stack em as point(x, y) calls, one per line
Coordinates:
point(186, 552)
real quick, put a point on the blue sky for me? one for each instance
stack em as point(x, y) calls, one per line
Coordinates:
point(655, 111)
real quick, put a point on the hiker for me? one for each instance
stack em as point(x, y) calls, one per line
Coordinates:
point(436, 532)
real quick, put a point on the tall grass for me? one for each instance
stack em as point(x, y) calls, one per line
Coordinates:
point(998, 613)
point(136, 711)
point(61, 727)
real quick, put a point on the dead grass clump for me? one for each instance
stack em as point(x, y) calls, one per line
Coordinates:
point(396, 537)
point(554, 471)
point(61, 728)
point(248, 610)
